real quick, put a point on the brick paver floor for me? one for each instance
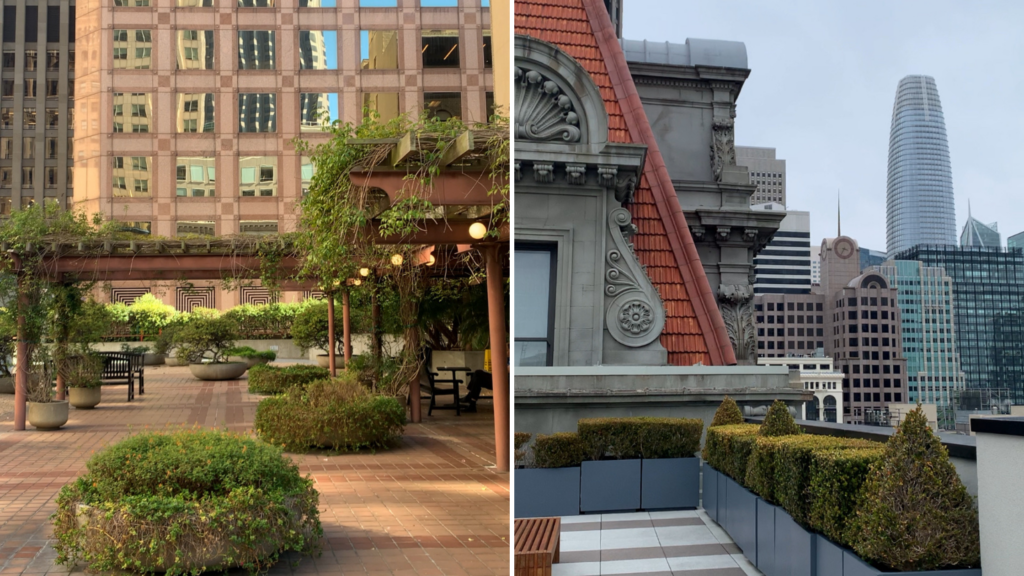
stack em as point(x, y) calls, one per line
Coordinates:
point(432, 506)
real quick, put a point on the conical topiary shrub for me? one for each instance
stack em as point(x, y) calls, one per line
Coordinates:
point(728, 413)
point(779, 422)
point(915, 513)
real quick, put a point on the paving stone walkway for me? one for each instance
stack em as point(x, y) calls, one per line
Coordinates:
point(434, 506)
point(680, 543)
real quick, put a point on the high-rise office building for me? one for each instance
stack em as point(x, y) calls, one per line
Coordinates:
point(784, 265)
point(975, 233)
point(869, 258)
point(37, 91)
point(766, 171)
point(988, 311)
point(1015, 241)
point(188, 108)
point(919, 192)
point(815, 265)
point(929, 334)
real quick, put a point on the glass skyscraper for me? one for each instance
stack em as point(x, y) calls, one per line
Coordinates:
point(988, 311)
point(919, 192)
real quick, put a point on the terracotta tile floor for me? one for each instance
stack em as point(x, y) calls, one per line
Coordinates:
point(434, 506)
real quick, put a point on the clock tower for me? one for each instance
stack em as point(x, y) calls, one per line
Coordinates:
point(840, 263)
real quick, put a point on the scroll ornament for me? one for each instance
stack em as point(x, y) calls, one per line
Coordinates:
point(635, 316)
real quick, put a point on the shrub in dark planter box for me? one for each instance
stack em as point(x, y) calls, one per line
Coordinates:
point(794, 546)
point(709, 495)
point(727, 448)
point(553, 488)
point(766, 561)
point(836, 477)
point(854, 566)
point(742, 519)
point(793, 467)
point(828, 557)
point(609, 485)
point(670, 483)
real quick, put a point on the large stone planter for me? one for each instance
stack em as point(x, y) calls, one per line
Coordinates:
point(171, 360)
point(151, 359)
point(323, 360)
point(610, 485)
point(219, 371)
point(48, 415)
point(84, 398)
point(547, 492)
point(7, 385)
point(669, 483)
point(249, 362)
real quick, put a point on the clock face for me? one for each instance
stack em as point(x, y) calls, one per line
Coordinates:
point(843, 248)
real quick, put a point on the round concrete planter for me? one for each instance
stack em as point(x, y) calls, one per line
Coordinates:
point(48, 415)
point(249, 362)
point(84, 398)
point(173, 361)
point(323, 360)
point(221, 371)
point(7, 385)
point(151, 359)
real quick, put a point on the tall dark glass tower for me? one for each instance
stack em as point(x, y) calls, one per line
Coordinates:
point(919, 193)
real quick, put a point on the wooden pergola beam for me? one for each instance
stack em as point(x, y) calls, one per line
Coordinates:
point(460, 147)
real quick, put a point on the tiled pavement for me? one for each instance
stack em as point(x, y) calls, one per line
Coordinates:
point(434, 506)
point(682, 543)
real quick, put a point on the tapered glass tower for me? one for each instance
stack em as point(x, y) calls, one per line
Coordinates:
point(919, 203)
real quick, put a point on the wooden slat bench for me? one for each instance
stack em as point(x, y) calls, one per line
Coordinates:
point(537, 542)
point(123, 368)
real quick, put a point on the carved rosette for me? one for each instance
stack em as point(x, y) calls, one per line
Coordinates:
point(635, 315)
point(736, 302)
point(543, 112)
point(723, 150)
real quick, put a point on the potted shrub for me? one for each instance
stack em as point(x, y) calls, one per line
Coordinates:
point(309, 331)
point(44, 412)
point(202, 342)
point(551, 487)
point(250, 355)
point(82, 379)
point(169, 503)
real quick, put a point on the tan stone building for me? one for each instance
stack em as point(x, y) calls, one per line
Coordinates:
point(186, 110)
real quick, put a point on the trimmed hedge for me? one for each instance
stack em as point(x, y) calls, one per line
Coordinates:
point(558, 450)
point(339, 414)
point(640, 437)
point(728, 413)
point(779, 422)
point(793, 467)
point(266, 379)
point(727, 448)
point(836, 477)
point(181, 501)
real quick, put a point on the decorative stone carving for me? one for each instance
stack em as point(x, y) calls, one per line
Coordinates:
point(543, 112)
point(697, 232)
point(625, 188)
point(722, 232)
point(543, 172)
point(750, 234)
point(519, 172)
point(736, 302)
point(723, 150)
point(576, 174)
point(606, 175)
point(635, 316)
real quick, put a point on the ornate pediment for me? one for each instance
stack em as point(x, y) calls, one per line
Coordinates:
point(543, 111)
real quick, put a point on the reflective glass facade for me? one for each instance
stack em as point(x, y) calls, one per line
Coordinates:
point(919, 192)
point(988, 311)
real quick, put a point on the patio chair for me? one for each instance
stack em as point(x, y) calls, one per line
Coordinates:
point(436, 390)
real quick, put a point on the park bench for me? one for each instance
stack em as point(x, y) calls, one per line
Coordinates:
point(123, 368)
point(537, 545)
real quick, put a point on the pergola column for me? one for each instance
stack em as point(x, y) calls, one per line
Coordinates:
point(499, 359)
point(21, 371)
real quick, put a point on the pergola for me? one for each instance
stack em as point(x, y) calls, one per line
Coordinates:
point(460, 191)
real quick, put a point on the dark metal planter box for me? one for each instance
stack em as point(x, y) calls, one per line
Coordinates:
point(709, 495)
point(670, 483)
point(794, 546)
point(829, 557)
point(723, 498)
point(766, 561)
point(854, 566)
point(609, 486)
point(742, 518)
point(547, 492)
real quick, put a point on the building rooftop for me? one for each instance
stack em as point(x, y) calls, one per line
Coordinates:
point(695, 52)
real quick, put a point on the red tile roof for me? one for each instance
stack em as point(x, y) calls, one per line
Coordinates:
point(694, 331)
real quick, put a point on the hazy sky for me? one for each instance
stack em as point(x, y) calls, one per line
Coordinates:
point(821, 89)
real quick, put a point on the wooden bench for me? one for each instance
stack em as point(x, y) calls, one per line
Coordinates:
point(537, 545)
point(123, 368)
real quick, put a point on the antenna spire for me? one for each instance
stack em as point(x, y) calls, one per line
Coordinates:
point(839, 213)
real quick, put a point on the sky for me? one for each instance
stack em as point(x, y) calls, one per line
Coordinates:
point(822, 84)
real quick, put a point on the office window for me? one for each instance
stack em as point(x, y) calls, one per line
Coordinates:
point(488, 63)
point(196, 176)
point(255, 3)
point(30, 60)
point(378, 3)
point(30, 87)
point(317, 3)
point(439, 3)
point(52, 118)
point(53, 60)
point(258, 176)
point(317, 110)
point(257, 227)
point(52, 88)
point(29, 117)
point(257, 112)
point(378, 49)
point(6, 148)
point(6, 117)
point(6, 178)
point(256, 49)
point(384, 105)
point(440, 48)
point(306, 170)
point(7, 89)
point(133, 49)
point(131, 176)
point(51, 177)
point(195, 3)
point(132, 112)
point(27, 176)
point(9, 55)
point(131, 3)
point(445, 105)
point(318, 49)
point(51, 148)
point(534, 281)
point(195, 49)
point(28, 148)
point(195, 113)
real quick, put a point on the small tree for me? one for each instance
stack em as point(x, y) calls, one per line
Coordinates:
point(310, 329)
point(914, 512)
point(203, 335)
point(728, 413)
point(779, 422)
point(148, 315)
